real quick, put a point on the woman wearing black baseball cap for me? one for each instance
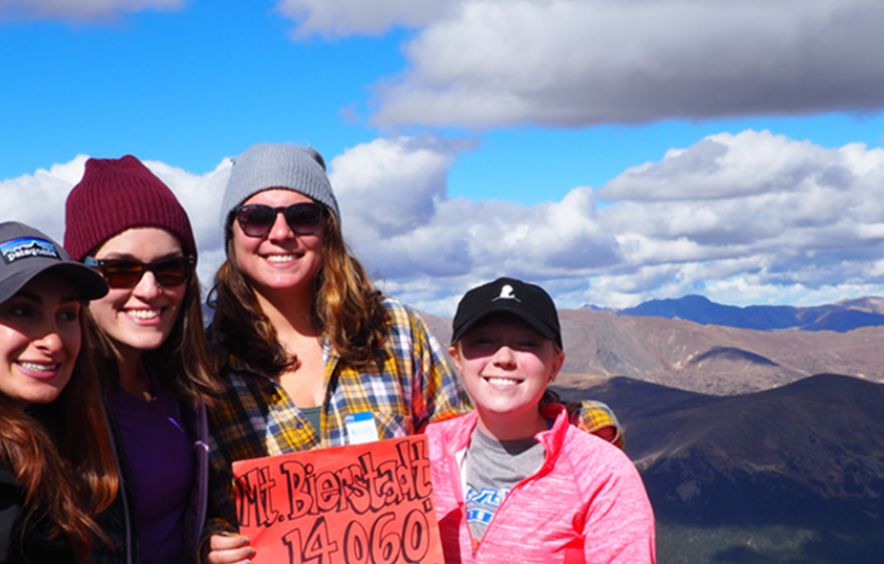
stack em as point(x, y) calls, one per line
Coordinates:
point(55, 464)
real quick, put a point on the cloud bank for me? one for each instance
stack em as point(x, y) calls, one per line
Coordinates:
point(79, 10)
point(746, 218)
point(573, 63)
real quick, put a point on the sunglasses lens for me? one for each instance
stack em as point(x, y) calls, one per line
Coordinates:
point(172, 272)
point(255, 220)
point(128, 273)
point(304, 219)
point(122, 273)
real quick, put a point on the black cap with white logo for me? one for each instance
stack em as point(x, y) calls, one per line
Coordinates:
point(26, 252)
point(528, 302)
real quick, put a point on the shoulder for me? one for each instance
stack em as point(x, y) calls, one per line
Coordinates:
point(453, 432)
point(399, 314)
point(405, 325)
point(610, 465)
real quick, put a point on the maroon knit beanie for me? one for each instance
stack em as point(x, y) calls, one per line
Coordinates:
point(114, 195)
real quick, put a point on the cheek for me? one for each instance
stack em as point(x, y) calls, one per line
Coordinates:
point(73, 340)
point(12, 343)
point(177, 295)
point(114, 299)
point(470, 369)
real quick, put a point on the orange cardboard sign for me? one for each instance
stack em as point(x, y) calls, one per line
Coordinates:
point(360, 504)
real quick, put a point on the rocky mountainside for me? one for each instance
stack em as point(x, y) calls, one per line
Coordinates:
point(709, 359)
point(793, 474)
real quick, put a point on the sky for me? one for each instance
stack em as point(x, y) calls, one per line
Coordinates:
point(613, 151)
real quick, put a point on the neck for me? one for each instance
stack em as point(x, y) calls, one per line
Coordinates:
point(506, 427)
point(133, 378)
point(289, 312)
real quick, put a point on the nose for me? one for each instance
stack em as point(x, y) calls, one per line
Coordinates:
point(504, 357)
point(147, 288)
point(51, 342)
point(280, 229)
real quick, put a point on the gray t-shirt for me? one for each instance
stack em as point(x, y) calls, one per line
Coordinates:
point(492, 468)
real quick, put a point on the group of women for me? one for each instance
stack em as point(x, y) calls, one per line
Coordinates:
point(119, 418)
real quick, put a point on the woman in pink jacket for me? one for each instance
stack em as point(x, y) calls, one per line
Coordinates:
point(513, 481)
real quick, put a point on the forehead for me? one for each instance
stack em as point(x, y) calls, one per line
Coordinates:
point(276, 197)
point(146, 244)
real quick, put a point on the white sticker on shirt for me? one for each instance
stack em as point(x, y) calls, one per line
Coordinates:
point(361, 428)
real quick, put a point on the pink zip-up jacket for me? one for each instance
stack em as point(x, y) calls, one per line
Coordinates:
point(586, 504)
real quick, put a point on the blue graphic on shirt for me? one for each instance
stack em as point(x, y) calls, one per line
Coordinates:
point(481, 505)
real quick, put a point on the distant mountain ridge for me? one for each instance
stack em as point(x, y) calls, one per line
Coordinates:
point(842, 316)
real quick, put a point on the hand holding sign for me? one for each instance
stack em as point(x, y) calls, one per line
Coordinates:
point(360, 504)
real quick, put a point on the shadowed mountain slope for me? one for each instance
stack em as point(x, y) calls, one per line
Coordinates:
point(793, 474)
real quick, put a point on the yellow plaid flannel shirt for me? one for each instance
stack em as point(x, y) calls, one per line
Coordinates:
point(411, 383)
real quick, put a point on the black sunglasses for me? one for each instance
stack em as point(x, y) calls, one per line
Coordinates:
point(124, 273)
point(256, 220)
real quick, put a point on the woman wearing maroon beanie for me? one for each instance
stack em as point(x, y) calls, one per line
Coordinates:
point(151, 357)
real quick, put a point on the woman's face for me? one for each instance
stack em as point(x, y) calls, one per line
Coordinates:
point(39, 339)
point(281, 259)
point(506, 366)
point(139, 318)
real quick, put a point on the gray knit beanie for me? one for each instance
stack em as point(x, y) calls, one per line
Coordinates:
point(265, 166)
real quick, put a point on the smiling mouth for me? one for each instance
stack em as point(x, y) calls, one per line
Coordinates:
point(39, 367)
point(144, 313)
point(280, 258)
point(503, 382)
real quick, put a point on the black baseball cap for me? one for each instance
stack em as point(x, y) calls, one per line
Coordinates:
point(529, 302)
point(26, 252)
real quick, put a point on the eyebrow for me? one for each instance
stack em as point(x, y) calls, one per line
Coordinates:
point(37, 298)
point(128, 256)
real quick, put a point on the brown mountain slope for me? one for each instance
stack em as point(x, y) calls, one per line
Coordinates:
point(710, 359)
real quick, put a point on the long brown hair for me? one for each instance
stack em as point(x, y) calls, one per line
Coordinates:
point(61, 453)
point(346, 309)
point(184, 352)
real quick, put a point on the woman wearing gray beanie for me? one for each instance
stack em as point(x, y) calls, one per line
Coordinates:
point(301, 337)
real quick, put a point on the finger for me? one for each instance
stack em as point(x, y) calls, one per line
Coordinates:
point(227, 541)
point(240, 555)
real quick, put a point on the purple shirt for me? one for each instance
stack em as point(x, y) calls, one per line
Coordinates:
point(160, 457)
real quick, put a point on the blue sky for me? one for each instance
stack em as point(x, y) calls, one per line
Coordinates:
point(614, 152)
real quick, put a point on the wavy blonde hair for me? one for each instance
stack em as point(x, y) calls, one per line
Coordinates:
point(346, 309)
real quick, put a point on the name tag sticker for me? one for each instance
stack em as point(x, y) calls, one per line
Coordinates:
point(361, 428)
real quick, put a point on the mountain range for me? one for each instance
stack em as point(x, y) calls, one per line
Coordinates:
point(709, 359)
point(841, 316)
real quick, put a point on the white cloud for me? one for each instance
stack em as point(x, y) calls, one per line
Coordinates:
point(340, 18)
point(781, 221)
point(38, 200)
point(79, 10)
point(486, 63)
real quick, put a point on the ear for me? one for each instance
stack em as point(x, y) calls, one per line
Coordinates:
point(558, 362)
point(454, 353)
